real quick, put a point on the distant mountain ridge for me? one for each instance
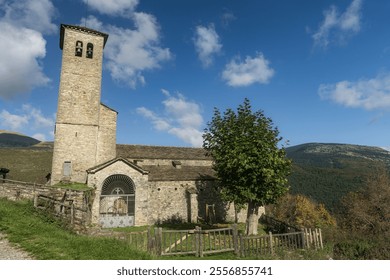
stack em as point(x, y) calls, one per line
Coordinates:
point(14, 139)
point(327, 172)
point(314, 152)
point(323, 172)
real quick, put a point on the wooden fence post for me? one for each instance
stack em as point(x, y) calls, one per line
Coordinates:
point(303, 239)
point(158, 240)
point(242, 246)
point(151, 241)
point(72, 214)
point(235, 239)
point(199, 241)
point(320, 236)
point(270, 243)
point(36, 200)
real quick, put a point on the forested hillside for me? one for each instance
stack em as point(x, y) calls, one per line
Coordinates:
point(327, 172)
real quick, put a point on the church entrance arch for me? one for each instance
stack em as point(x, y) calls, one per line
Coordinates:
point(117, 202)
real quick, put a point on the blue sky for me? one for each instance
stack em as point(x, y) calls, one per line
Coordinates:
point(319, 69)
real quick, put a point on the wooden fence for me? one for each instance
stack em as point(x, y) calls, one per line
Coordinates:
point(200, 242)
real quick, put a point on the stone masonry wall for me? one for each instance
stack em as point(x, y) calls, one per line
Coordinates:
point(106, 143)
point(79, 199)
point(77, 121)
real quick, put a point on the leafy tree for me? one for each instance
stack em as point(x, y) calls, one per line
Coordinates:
point(250, 166)
point(300, 211)
point(368, 210)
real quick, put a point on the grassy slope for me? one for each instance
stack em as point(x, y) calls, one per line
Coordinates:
point(45, 238)
point(26, 164)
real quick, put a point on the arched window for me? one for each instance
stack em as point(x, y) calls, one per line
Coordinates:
point(118, 184)
point(89, 50)
point(79, 48)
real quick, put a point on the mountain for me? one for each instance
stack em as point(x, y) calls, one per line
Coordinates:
point(323, 172)
point(327, 172)
point(13, 139)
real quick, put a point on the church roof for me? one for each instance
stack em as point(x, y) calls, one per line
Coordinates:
point(160, 152)
point(80, 28)
point(107, 163)
point(185, 173)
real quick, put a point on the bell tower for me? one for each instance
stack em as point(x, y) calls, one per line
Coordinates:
point(82, 122)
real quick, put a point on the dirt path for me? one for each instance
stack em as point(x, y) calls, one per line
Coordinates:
point(9, 251)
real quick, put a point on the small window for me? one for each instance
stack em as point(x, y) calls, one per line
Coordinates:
point(89, 50)
point(67, 168)
point(79, 48)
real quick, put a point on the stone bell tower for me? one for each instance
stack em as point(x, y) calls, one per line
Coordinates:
point(85, 129)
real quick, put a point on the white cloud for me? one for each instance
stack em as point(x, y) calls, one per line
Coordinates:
point(40, 137)
point(33, 14)
point(29, 120)
point(22, 45)
point(368, 94)
point(244, 73)
point(131, 52)
point(181, 118)
point(13, 122)
point(336, 27)
point(113, 7)
point(207, 44)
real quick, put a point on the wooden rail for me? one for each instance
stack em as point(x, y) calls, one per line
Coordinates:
point(200, 242)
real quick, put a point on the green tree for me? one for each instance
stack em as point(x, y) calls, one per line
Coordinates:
point(300, 211)
point(251, 168)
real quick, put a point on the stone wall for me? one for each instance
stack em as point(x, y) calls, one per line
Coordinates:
point(106, 143)
point(79, 112)
point(79, 216)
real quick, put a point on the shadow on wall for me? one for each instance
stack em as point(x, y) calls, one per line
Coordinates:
point(211, 207)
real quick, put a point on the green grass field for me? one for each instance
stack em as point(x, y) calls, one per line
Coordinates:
point(46, 238)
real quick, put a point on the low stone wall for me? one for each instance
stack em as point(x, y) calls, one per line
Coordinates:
point(71, 205)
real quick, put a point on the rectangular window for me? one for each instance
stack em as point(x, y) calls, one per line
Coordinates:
point(67, 168)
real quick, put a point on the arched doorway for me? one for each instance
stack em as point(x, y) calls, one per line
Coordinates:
point(117, 202)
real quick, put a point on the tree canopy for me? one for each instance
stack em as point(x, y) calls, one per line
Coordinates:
point(249, 164)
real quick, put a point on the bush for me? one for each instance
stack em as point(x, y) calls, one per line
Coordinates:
point(362, 249)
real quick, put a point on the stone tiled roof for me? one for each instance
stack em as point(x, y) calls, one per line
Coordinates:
point(107, 163)
point(185, 173)
point(160, 152)
point(80, 28)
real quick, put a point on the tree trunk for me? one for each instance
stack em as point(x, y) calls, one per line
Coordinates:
point(252, 219)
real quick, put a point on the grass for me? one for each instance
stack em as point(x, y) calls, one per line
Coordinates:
point(46, 238)
point(73, 186)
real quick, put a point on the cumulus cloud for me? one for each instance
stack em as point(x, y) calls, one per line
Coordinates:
point(368, 94)
point(131, 52)
point(13, 122)
point(22, 46)
point(207, 44)
point(29, 120)
point(113, 7)
point(336, 27)
point(33, 14)
point(181, 118)
point(240, 73)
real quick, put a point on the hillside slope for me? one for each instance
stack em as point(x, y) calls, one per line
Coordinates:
point(323, 172)
point(12, 139)
point(327, 172)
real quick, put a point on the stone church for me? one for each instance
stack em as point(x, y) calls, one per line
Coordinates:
point(134, 184)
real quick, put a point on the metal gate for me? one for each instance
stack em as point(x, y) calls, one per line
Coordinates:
point(117, 202)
